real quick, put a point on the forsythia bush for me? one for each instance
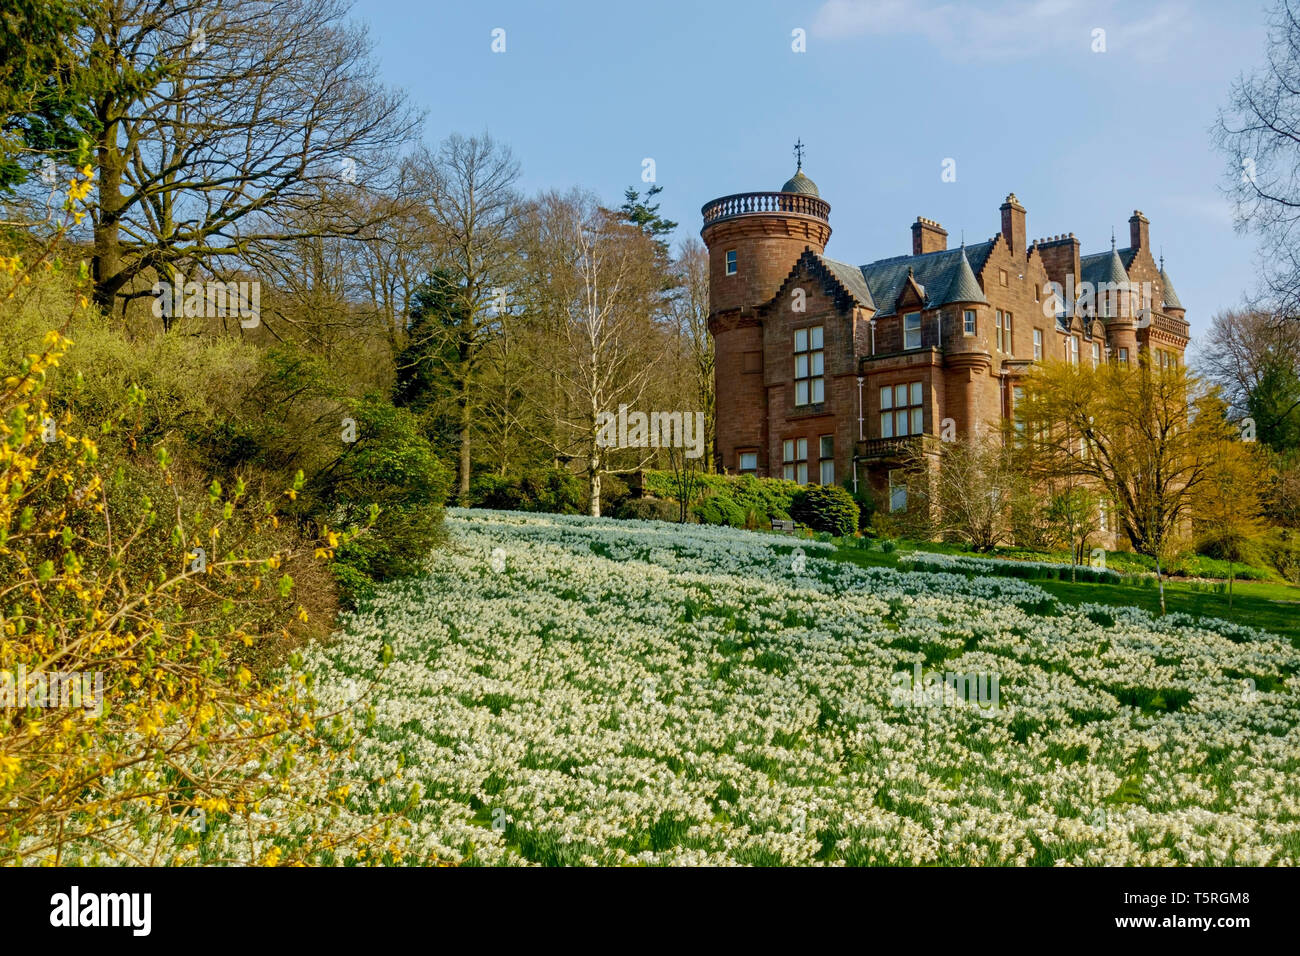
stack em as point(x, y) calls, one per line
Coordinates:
point(131, 727)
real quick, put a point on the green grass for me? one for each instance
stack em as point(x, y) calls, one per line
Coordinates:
point(1125, 562)
point(1263, 604)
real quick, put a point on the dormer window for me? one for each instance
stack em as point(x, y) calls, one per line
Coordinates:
point(912, 330)
point(731, 262)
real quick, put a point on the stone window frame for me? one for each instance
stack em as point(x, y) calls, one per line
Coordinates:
point(890, 409)
point(1038, 345)
point(897, 492)
point(814, 354)
point(907, 331)
point(740, 461)
point(970, 322)
point(824, 459)
point(794, 460)
point(732, 262)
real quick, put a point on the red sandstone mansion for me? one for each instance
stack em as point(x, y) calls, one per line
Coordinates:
point(827, 372)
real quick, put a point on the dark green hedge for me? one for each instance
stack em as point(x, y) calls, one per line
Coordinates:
point(827, 508)
point(737, 500)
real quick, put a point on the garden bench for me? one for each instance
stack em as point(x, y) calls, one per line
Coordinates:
point(785, 527)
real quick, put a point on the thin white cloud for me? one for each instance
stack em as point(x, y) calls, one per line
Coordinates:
point(1006, 29)
point(1209, 207)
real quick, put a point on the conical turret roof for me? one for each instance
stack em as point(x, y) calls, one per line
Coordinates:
point(963, 286)
point(1170, 296)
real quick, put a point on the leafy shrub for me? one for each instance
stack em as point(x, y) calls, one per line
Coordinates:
point(866, 503)
point(718, 509)
point(647, 509)
point(1200, 566)
point(981, 566)
point(557, 491)
point(760, 500)
point(498, 492)
point(120, 563)
point(551, 490)
point(826, 508)
point(1282, 549)
point(267, 415)
point(389, 477)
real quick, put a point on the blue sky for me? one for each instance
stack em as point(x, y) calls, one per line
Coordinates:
point(884, 93)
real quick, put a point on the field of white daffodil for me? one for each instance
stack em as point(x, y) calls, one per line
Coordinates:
point(569, 690)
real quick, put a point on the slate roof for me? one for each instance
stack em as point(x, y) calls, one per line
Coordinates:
point(939, 273)
point(1171, 297)
point(1104, 267)
point(964, 287)
point(852, 279)
point(949, 276)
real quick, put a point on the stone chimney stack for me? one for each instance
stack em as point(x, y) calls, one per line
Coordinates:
point(1013, 224)
point(928, 236)
point(1060, 255)
point(1139, 231)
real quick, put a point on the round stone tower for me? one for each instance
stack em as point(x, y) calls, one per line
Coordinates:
point(754, 240)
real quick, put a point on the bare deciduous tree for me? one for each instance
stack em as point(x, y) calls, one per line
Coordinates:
point(595, 337)
point(1260, 133)
point(218, 124)
point(971, 488)
point(474, 207)
point(1240, 349)
point(690, 310)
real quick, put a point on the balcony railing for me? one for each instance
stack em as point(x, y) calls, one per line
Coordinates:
point(1167, 323)
point(748, 204)
point(898, 448)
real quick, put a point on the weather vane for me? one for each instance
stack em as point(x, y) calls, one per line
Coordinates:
point(798, 154)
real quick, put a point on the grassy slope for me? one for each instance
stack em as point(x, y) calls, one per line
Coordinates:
point(1261, 604)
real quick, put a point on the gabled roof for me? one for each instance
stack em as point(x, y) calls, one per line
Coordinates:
point(852, 279)
point(936, 272)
